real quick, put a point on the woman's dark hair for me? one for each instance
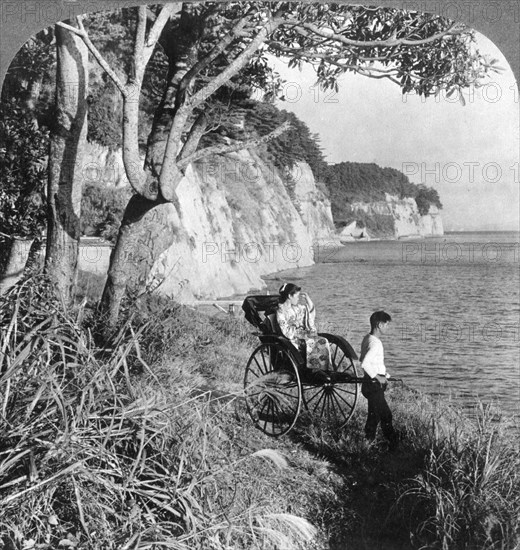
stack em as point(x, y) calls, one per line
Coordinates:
point(286, 290)
point(379, 317)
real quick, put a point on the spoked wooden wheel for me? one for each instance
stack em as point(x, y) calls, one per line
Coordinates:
point(331, 395)
point(272, 389)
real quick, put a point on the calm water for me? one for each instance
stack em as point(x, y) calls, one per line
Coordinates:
point(455, 306)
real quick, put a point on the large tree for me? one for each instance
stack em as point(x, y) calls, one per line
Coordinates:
point(211, 49)
point(67, 145)
point(30, 153)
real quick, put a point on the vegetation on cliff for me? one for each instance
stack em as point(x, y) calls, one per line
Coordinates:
point(102, 210)
point(350, 182)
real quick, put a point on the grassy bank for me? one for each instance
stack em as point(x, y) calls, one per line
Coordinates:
point(146, 444)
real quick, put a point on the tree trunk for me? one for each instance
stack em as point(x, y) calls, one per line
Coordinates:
point(68, 139)
point(147, 230)
point(13, 258)
point(176, 124)
point(148, 227)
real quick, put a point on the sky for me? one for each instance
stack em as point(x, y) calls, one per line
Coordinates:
point(469, 153)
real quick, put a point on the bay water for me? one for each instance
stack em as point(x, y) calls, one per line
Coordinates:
point(454, 302)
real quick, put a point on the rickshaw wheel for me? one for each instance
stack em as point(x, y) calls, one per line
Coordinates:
point(332, 399)
point(272, 389)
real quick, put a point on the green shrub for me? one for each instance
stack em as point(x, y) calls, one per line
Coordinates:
point(425, 197)
point(23, 155)
point(102, 210)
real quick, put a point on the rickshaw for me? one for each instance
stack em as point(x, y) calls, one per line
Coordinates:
point(278, 384)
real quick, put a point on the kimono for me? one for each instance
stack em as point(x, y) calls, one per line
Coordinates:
point(297, 324)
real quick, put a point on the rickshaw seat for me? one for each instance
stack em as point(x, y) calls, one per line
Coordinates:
point(271, 324)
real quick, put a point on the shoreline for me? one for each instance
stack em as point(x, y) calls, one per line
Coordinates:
point(468, 410)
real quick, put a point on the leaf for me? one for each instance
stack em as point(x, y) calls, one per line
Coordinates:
point(451, 92)
point(274, 456)
point(66, 543)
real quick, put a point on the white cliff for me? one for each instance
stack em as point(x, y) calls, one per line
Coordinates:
point(431, 224)
point(238, 222)
point(234, 221)
point(403, 214)
point(313, 205)
point(101, 165)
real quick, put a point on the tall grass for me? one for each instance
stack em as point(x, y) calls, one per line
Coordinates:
point(468, 495)
point(93, 455)
point(144, 443)
point(453, 483)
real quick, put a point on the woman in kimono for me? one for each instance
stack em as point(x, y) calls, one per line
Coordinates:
point(297, 323)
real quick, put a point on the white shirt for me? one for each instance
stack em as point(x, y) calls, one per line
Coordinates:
point(372, 356)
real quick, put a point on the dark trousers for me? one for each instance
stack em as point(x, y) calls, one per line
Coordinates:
point(378, 410)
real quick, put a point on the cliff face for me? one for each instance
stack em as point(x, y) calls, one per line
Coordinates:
point(237, 221)
point(396, 218)
point(431, 224)
point(103, 166)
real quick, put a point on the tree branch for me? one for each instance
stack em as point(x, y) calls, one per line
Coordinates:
point(196, 132)
point(97, 55)
point(235, 66)
point(164, 15)
point(301, 53)
point(225, 149)
point(379, 77)
point(212, 55)
point(390, 42)
point(169, 176)
point(130, 92)
point(308, 53)
point(139, 43)
point(364, 70)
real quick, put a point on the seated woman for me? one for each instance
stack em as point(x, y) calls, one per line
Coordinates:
point(296, 322)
